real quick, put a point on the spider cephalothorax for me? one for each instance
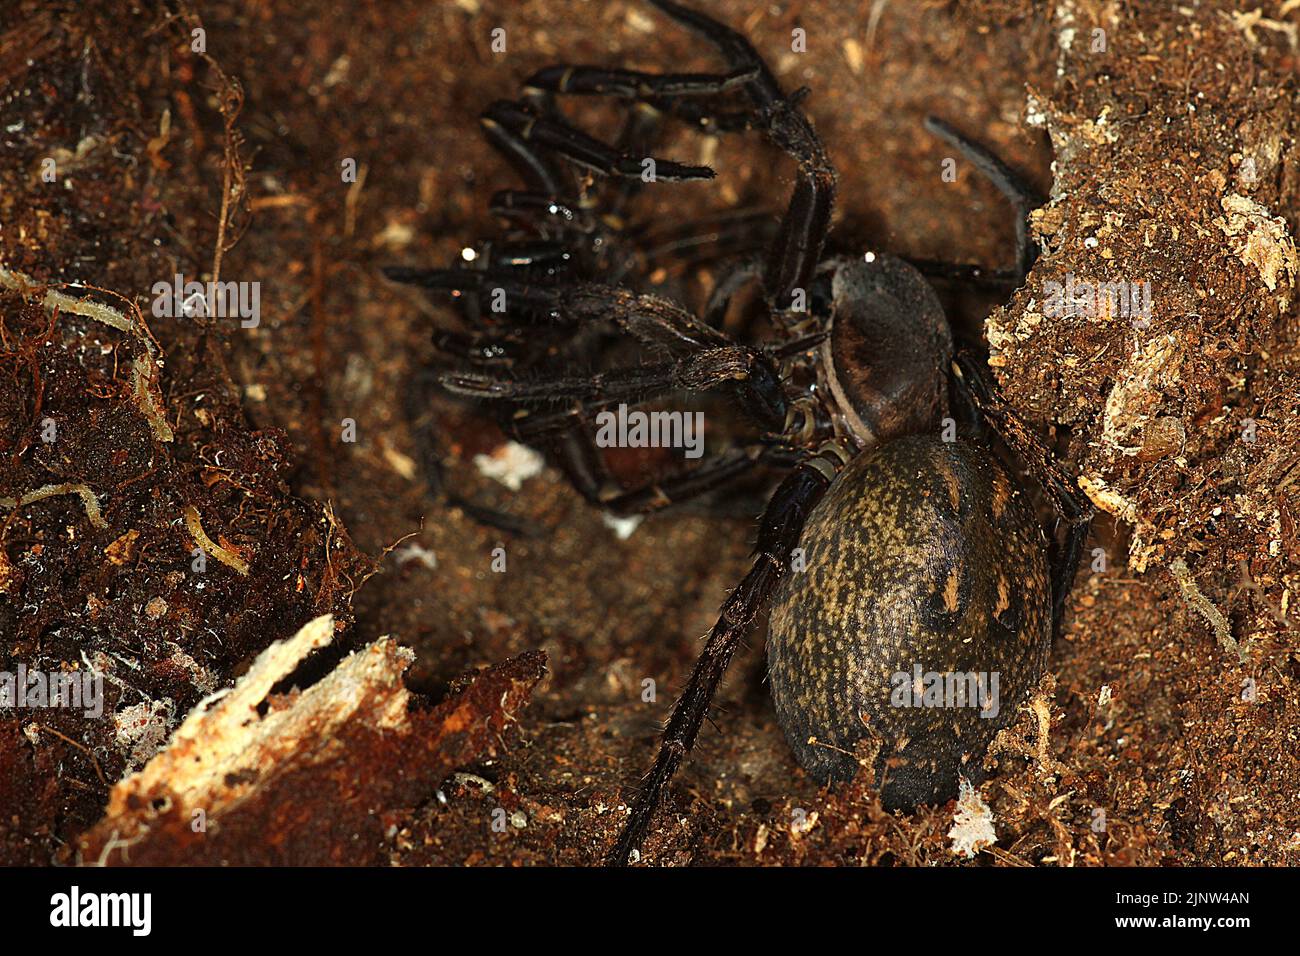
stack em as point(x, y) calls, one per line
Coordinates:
point(885, 359)
point(913, 604)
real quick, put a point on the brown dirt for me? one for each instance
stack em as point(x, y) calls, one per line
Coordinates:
point(1169, 155)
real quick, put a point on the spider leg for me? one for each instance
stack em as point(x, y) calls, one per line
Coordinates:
point(536, 169)
point(794, 255)
point(679, 94)
point(577, 456)
point(421, 419)
point(581, 149)
point(541, 211)
point(574, 451)
point(533, 258)
point(478, 349)
point(700, 370)
point(685, 484)
point(727, 287)
point(633, 84)
point(561, 224)
point(502, 347)
point(1072, 507)
point(703, 358)
point(651, 320)
point(1021, 196)
point(545, 213)
point(723, 238)
point(537, 300)
point(640, 130)
point(707, 115)
point(778, 535)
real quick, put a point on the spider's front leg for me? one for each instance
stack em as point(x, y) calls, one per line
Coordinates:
point(778, 536)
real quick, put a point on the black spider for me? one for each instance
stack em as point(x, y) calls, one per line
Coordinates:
point(910, 546)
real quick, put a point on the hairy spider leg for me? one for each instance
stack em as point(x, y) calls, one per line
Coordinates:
point(778, 536)
point(527, 299)
point(748, 368)
point(702, 358)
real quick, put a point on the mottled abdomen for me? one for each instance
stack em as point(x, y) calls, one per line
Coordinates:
point(924, 563)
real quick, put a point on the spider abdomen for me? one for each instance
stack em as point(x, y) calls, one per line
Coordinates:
point(922, 618)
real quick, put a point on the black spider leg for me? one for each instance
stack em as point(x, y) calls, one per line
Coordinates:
point(778, 536)
point(543, 212)
point(688, 96)
point(579, 458)
point(568, 442)
point(526, 297)
point(639, 133)
point(707, 369)
point(1023, 200)
point(479, 349)
point(534, 166)
point(643, 122)
point(575, 452)
point(700, 359)
point(696, 245)
point(640, 130)
point(687, 484)
point(793, 255)
point(576, 146)
point(1072, 507)
point(632, 84)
